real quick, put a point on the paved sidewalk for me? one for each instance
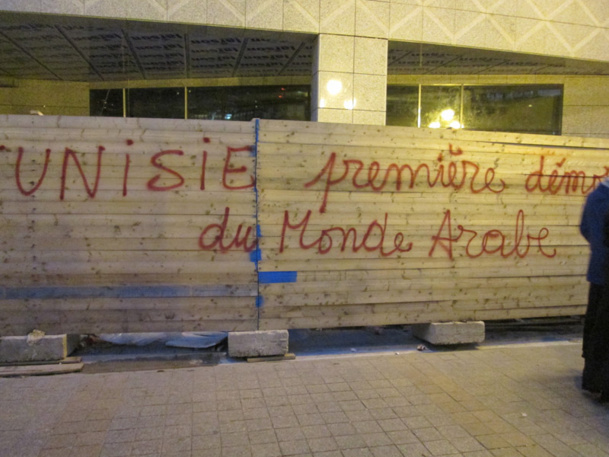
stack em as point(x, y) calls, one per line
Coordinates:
point(489, 402)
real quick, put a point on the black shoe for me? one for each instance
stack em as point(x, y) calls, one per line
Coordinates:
point(590, 377)
point(590, 387)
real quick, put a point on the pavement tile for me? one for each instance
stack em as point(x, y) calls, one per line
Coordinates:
point(294, 447)
point(234, 439)
point(383, 413)
point(385, 451)
point(440, 447)
point(466, 444)
point(589, 450)
point(493, 441)
point(370, 426)
point(376, 439)
point(452, 431)
point(334, 417)
point(359, 452)
point(316, 431)
point(350, 442)
point(236, 451)
point(341, 428)
point(338, 386)
point(484, 453)
point(207, 452)
point(415, 422)
point(534, 451)
point(206, 441)
point(322, 444)
point(289, 434)
point(147, 447)
point(497, 402)
point(359, 415)
point(266, 450)
point(307, 414)
point(507, 452)
point(402, 437)
point(262, 423)
point(413, 449)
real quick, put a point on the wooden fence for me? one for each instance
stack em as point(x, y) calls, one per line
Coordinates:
point(384, 225)
point(105, 222)
point(132, 225)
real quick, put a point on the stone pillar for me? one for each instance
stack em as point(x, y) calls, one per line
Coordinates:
point(349, 80)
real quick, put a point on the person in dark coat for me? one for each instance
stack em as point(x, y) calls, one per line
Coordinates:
point(598, 351)
point(594, 227)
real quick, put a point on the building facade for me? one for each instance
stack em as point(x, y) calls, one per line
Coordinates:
point(348, 52)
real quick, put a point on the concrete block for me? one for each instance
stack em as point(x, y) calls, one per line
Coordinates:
point(450, 332)
point(258, 344)
point(37, 348)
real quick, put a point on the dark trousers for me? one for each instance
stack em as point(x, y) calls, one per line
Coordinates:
point(595, 342)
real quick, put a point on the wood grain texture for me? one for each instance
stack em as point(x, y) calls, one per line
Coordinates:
point(110, 225)
point(116, 225)
point(487, 224)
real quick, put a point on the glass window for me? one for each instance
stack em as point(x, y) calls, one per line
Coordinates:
point(106, 102)
point(403, 106)
point(525, 108)
point(246, 103)
point(165, 103)
point(506, 108)
point(441, 106)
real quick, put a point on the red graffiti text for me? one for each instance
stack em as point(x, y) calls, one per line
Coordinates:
point(493, 241)
point(347, 238)
point(456, 174)
point(213, 236)
point(560, 180)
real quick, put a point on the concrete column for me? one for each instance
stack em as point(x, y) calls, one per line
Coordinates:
point(349, 80)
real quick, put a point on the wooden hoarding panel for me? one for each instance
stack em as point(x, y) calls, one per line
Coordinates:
point(117, 225)
point(126, 225)
point(366, 225)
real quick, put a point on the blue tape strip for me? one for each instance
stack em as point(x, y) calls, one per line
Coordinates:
point(259, 301)
point(256, 136)
point(256, 256)
point(48, 292)
point(275, 277)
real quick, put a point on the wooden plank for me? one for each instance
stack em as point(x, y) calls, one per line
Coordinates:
point(201, 278)
point(221, 303)
point(380, 319)
point(416, 285)
point(125, 325)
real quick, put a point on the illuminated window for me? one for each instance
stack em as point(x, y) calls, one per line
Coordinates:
point(403, 105)
point(514, 108)
point(526, 109)
point(440, 106)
